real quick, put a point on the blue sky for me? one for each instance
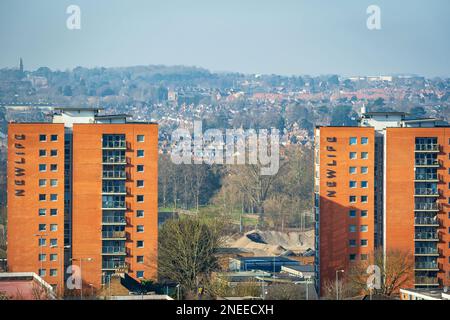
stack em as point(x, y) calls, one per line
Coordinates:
point(249, 36)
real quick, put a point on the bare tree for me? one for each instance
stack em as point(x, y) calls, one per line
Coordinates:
point(187, 251)
point(396, 268)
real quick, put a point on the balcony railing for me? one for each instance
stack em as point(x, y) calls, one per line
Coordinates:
point(426, 192)
point(426, 236)
point(114, 235)
point(114, 144)
point(426, 266)
point(113, 205)
point(426, 280)
point(427, 162)
point(114, 189)
point(427, 206)
point(113, 250)
point(116, 265)
point(115, 160)
point(427, 176)
point(112, 220)
point(427, 147)
point(426, 250)
point(426, 221)
point(114, 175)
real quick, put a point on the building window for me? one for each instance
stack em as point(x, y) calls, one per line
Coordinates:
point(53, 167)
point(364, 184)
point(140, 168)
point(364, 140)
point(352, 243)
point(42, 242)
point(353, 184)
point(364, 242)
point(54, 153)
point(364, 228)
point(364, 213)
point(364, 257)
point(140, 138)
point(53, 212)
point(353, 155)
point(139, 213)
point(140, 183)
point(53, 272)
point(352, 257)
point(42, 257)
point(140, 228)
point(42, 227)
point(353, 141)
point(364, 170)
point(42, 167)
point(42, 212)
point(42, 273)
point(139, 274)
point(42, 197)
point(352, 213)
point(53, 182)
point(42, 138)
point(353, 170)
point(53, 227)
point(140, 198)
point(140, 259)
point(352, 228)
point(42, 153)
point(140, 244)
point(364, 199)
point(42, 182)
point(53, 242)
point(140, 153)
point(53, 197)
point(352, 199)
point(364, 155)
point(53, 257)
point(54, 137)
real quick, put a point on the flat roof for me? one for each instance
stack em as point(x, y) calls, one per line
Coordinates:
point(78, 108)
point(301, 268)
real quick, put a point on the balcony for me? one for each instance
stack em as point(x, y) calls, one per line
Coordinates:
point(427, 207)
point(116, 266)
point(426, 251)
point(426, 221)
point(426, 281)
point(114, 220)
point(114, 145)
point(427, 177)
point(426, 236)
point(111, 175)
point(432, 266)
point(433, 163)
point(427, 148)
point(114, 235)
point(110, 250)
point(114, 160)
point(114, 205)
point(120, 190)
point(426, 192)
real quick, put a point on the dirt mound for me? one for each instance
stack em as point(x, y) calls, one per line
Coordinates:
point(273, 242)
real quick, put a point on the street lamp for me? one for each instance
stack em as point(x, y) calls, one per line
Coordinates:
point(41, 236)
point(81, 276)
point(337, 282)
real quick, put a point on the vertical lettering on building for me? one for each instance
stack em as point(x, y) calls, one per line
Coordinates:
point(19, 171)
point(331, 167)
